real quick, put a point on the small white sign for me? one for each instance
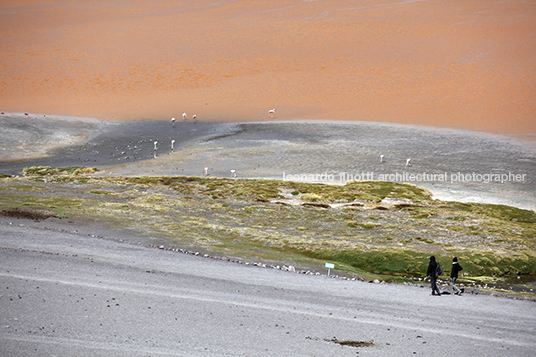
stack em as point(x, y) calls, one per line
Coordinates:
point(330, 266)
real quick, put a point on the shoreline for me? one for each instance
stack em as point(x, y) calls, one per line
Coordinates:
point(522, 137)
point(271, 149)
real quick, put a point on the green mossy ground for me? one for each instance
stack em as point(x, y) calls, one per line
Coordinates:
point(265, 220)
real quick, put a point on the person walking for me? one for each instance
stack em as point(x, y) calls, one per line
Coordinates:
point(454, 276)
point(432, 272)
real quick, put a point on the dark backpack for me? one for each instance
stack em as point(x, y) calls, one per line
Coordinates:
point(438, 270)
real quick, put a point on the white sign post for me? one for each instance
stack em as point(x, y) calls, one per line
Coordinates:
point(329, 266)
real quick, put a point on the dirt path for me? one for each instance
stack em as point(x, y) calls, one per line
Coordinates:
point(96, 296)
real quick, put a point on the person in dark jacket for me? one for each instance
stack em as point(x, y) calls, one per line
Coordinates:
point(454, 275)
point(432, 272)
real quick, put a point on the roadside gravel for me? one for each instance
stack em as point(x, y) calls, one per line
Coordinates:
point(69, 290)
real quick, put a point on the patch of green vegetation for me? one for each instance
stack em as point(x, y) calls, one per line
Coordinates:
point(457, 218)
point(50, 171)
point(351, 224)
point(312, 197)
point(529, 233)
point(236, 217)
point(464, 207)
point(367, 225)
point(485, 264)
point(271, 189)
point(505, 213)
point(394, 261)
point(97, 192)
point(27, 212)
point(60, 205)
point(24, 188)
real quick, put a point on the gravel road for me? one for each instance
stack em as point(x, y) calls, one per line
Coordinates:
point(69, 290)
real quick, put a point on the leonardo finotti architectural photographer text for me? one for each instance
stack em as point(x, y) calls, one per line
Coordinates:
point(342, 177)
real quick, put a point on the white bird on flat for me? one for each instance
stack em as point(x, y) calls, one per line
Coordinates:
point(271, 113)
point(172, 145)
point(233, 172)
point(173, 120)
point(184, 116)
point(206, 171)
point(155, 148)
point(408, 162)
point(381, 158)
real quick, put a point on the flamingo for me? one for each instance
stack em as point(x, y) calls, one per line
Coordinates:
point(233, 173)
point(271, 113)
point(172, 145)
point(173, 120)
point(408, 162)
point(206, 171)
point(184, 116)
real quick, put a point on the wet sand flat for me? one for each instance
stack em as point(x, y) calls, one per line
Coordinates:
point(26, 137)
point(454, 164)
point(461, 64)
point(33, 140)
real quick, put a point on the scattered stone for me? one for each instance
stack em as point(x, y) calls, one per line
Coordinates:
point(381, 208)
point(352, 343)
point(355, 204)
point(316, 205)
point(281, 203)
